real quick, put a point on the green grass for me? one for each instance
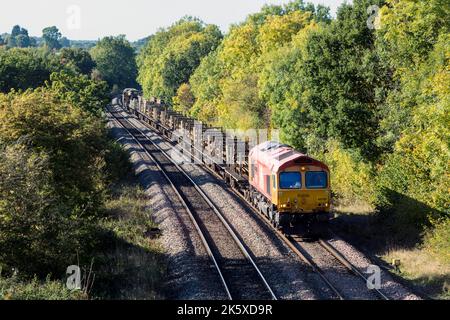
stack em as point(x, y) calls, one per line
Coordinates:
point(13, 288)
point(133, 264)
point(425, 270)
point(424, 253)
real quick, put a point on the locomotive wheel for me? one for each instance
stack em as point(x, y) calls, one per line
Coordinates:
point(271, 214)
point(276, 220)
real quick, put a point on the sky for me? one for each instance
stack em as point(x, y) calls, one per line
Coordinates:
point(93, 19)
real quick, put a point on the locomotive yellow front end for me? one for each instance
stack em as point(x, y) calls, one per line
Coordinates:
point(286, 184)
point(303, 190)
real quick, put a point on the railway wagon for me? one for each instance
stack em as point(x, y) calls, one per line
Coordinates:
point(286, 185)
point(128, 95)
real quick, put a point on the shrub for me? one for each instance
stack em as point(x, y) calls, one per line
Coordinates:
point(437, 241)
point(39, 231)
point(351, 178)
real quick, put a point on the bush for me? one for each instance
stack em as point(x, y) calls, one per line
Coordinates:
point(39, 231)
point(73, 139)
point(417, 170)
point(118, 164)
point(352, 179)
point(437, 241)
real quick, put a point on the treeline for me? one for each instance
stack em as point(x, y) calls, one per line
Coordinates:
point(369, 97)
point(19, 38)
point(111, 60)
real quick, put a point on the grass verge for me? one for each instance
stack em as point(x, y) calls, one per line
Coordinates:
point(132, 266)
point(424, 255)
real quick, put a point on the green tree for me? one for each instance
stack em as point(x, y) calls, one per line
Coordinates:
point(408, 33)
point(16, 30)
point(22, 41)
point(80, 91)
point(11, 42)
point(171, 56)
point(33, 218)
point(414, 126)
point(333, 84)
point(65, 43)
point(205, 86)
point(19, 38)
point(79, 58)
point(115, 59)
point(49, 202)
point(25, 68)
point(52, 37)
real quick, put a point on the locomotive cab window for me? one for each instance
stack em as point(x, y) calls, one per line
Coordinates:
point(316, 180)
point(290, 180)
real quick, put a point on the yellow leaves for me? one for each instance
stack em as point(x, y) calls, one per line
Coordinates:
point(352, 180)
point(423, 152)
point(242, 57)
point(184, 100)
point(239, 46)
point(8, 296)
point(279, 30)
point(301, 38)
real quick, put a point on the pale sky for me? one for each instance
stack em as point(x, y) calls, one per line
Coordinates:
point(134, 18)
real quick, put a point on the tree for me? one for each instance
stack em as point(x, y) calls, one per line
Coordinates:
point(184, 100)
point(171, 56)
point(52, 37)
point(205, 86)
point(78, 89)
point(49, 201)
point(22, 41)
point(408, 33)
point(115, 59)
point(11, 42)
point(414, 126)
point(25, 68)
point(19, 38)
point(332, 84)
point(79, 58)
point(65, 43)
point(31, 213)
point(227, 83)
point(16, 30)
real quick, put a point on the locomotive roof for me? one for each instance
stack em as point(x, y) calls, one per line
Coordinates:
point(277, 156)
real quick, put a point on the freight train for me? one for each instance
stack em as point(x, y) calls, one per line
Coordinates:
point(281, 183)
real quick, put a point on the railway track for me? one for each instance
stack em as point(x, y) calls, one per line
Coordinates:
point(341, 273)
point(353, 284)
point(237, 270)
